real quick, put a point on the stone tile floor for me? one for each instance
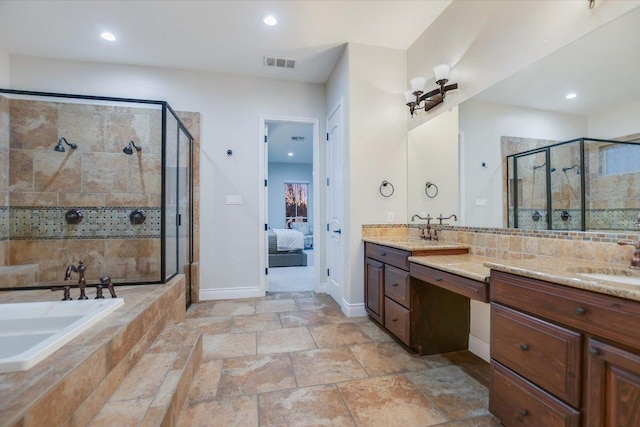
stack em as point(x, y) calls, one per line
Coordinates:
point(293, 359)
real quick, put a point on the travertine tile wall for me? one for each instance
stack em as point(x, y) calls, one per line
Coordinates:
point(4, 180)
point(97, 178)
point(505, 244)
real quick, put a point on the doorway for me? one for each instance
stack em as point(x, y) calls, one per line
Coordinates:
point(290, 204)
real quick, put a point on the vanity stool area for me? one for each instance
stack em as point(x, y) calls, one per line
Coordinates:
point(425, 308)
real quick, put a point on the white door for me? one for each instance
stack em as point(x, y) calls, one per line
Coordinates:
point(266, 201)
point(335, 180)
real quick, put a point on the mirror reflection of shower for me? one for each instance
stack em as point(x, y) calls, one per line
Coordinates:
point(60, 148)
point(578, 171)
point(543, 165)
point(129, 148)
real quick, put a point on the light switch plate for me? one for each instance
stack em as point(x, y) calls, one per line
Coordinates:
point(232, 200)
point(481, 202)
point(389, 216)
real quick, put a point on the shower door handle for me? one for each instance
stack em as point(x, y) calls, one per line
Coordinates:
point(179, 219)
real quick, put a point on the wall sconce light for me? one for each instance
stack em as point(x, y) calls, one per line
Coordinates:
point(418, 100)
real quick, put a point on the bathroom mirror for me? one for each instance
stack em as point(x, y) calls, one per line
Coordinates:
point(530, 109)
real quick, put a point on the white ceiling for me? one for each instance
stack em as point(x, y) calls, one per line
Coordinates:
point(221, 36)
point(601, 68)
point(281, 143)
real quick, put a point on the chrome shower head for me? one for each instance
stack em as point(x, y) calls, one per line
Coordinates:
point(60, 148)
point(129, 148)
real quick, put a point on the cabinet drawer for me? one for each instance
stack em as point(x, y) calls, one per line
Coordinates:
point(583, 310)
point(458, 284)
point(517, 402)
point(397, 319)
point(396, 285)
point(543, 353)
point(396, 257)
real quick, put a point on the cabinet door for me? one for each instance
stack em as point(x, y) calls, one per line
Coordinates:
point(374, 289)
point(613, 386)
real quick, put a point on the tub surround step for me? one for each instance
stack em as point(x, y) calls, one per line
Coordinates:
point(16, 276)
point(73, 384)
point(154, 391)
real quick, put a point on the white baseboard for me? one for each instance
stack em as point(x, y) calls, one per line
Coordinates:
point(479, 348)
point(230, 293)
point(353, 310)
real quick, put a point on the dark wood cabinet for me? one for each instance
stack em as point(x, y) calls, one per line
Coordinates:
point(613, 386)
point(421, 314)
point(575, 353)
point(374, 289)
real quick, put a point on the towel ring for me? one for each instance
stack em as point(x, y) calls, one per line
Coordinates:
point(427, 187)
point(386, 183)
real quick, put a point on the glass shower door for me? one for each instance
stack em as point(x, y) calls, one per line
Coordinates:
point(530, 184)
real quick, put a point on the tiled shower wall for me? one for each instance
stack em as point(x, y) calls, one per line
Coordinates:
point(612, 201)
point(97, 178)
point(4, 181)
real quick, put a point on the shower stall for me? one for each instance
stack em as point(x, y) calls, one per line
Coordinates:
point(581, 184)
point(104, 180)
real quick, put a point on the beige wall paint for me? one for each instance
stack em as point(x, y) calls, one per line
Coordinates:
point(4, 68)
point(376, 149)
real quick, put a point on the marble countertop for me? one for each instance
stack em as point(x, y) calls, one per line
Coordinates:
point(465, 265)
point(414, 244)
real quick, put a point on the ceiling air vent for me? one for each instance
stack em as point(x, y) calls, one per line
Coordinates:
point(279, 62)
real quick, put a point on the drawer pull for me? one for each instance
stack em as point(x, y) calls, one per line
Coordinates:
point(580, 311)
point(383, 254)
point(395, 319)
point(394, 285)
point(438, 279)
point(524, 347)
point(593, 351)
point(523, 413)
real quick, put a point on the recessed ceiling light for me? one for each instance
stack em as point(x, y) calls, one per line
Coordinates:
point(290, 154)
point(571, 95)
point(270, 20)
point(108, 36)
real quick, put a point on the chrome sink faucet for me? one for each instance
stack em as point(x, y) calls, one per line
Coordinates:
point(82, 282)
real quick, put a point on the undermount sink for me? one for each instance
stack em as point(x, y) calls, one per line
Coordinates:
point(627, 280)
point(617, 275)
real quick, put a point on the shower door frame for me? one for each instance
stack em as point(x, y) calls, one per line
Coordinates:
point(164, 105)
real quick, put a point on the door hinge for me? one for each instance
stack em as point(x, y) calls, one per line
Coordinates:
point(265, 138)
point(266, 227)
point(328, 272)
point(327, 182)
point(327, 227)
point(327, 136)
point(266, 271)
point(265, 182)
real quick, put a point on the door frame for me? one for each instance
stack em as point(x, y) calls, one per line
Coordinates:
point(318, 246)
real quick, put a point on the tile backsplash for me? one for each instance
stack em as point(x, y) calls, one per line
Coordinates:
point(509, 243)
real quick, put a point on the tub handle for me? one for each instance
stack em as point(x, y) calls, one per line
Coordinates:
point(66, 296)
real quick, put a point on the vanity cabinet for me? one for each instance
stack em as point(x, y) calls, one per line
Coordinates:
point(562, 356)
point(427, 320)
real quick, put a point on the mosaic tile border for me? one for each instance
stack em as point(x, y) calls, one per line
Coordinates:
point(102, 222)
point(4, 223)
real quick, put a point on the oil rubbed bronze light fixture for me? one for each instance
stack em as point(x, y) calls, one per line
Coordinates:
point(417, 99)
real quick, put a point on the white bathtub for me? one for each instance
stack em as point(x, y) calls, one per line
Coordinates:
point(29, 332)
